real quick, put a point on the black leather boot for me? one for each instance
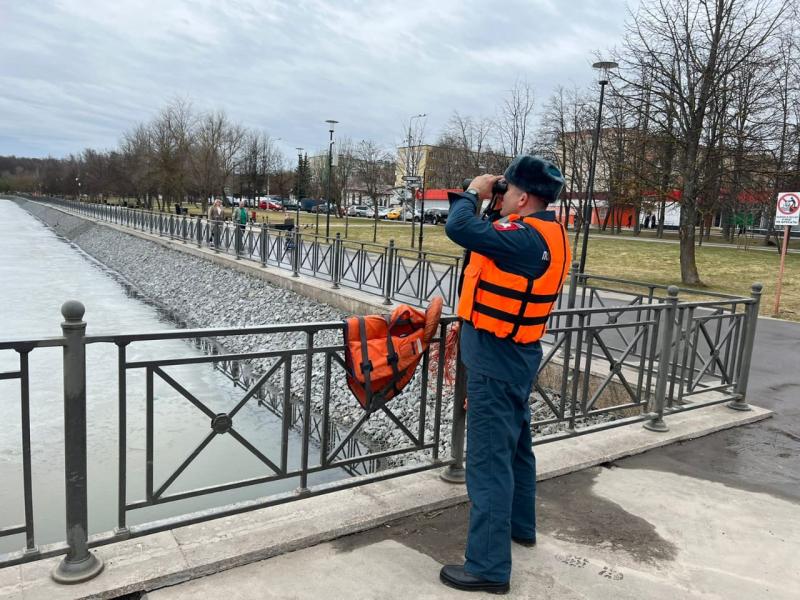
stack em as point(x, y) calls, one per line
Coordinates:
point(455, 577)
point(524, 541)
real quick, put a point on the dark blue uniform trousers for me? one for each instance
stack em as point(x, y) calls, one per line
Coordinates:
point(501, 474)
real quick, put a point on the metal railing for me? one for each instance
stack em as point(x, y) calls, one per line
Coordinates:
point(404, 275)
point(283, 386)
point(611, 359)
point(616, 352)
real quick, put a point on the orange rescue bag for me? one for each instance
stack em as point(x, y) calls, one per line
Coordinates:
point(382, 351)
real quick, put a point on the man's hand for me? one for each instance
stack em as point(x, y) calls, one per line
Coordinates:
point(484, 183)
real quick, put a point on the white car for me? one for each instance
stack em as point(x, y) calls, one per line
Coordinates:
point(360, 210)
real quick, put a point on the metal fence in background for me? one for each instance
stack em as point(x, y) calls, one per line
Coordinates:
point(395, 274)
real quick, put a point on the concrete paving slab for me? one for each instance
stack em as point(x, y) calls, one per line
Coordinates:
point(11, 583)
point(201, 549)
point(222, 543)
point(727, 544)
point(731, 543)
point(574, 454)
point(150, 561)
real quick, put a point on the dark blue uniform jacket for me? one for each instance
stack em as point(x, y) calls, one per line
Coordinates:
point(519, 250)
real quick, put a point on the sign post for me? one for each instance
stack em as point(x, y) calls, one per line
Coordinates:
point(412, 183)
point(787, 213)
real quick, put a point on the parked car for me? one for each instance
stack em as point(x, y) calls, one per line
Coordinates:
point(436, 215)
point(403, 213)
point(382, 212)
point(270, 203)
point(324, 208)
point(290, 205)
point(360, 210)
point(308, 204)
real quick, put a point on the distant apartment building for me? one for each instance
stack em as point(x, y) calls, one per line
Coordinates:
point(445, 167)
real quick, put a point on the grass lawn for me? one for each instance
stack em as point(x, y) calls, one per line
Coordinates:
point(729, 270)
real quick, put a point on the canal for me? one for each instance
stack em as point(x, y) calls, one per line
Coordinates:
point(38, 272)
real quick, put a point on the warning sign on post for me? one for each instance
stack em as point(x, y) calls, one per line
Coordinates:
point(788, 210)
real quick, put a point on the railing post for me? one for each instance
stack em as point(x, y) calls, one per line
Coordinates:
point(655, 420)
point(237, 238)
point(79, 564)
point(263, 244)
point(455, 473)
point(335, 260)
point(296, 253)
point(566, 369)
point(184, 229)
point(199, 231)
point(747, 349)
point(389, 267)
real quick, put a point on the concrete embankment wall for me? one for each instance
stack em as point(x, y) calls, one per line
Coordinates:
point(209, 292)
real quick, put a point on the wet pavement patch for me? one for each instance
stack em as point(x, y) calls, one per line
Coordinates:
point(750, 458)
point(569, 510)
point(440, 534)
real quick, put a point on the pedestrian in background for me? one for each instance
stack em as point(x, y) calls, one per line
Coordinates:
point(239, 217)
point(216, 215)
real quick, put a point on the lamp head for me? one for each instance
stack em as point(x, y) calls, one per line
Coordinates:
point(604, 66)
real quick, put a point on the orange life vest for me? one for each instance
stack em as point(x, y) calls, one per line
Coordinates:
point(382, 351)
point(513, 306)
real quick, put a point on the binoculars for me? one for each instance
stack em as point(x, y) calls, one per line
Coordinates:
point(500, 186)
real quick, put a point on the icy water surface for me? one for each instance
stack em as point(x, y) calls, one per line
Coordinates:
point(38, 272)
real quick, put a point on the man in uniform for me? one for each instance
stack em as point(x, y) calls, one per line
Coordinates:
point(518, 262)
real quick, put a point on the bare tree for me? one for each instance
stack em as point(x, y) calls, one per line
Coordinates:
point(785, 101)
point(230, 149)
point(513, 119)
point(137, 155)
point(171, 138)
point(345, 170)
point(375, 169)
point(412, 150)
point(691, 48)
point(206, 160)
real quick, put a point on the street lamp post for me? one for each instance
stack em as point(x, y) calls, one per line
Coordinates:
point(412, 166)
point(299, 186)
point(604, 67)
point(330, 122)
point(422, 208)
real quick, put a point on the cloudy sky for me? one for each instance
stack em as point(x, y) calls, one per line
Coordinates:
point(78, 73)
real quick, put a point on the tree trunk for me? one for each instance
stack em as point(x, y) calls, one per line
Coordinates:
point(689, 274)
point(726, 223)
point(609, 213)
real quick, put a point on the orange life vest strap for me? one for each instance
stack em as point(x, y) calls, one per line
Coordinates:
point(515, 295)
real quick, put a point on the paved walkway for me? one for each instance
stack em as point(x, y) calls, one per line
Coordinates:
point(754, 244)
point(616, 532)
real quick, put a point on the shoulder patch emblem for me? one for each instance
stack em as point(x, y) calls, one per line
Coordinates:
point(507, 225)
